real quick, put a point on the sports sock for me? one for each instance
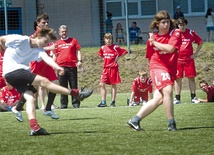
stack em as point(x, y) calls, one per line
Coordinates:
point(51, 97)
point(74, 92)
point(136, 119)
point(193, 95)
point(103, 101)
point(170, 121)
point(20, 104)
point(178, 97)
point(34, 124)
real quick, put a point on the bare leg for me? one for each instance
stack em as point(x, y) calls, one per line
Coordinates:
point(41, 93)
point(114, 92)
point(30, 108)
point(178, 86)
point(192, 85)
point(168, 102)
point(52, 87)
point(151, 105)
point(103, 91)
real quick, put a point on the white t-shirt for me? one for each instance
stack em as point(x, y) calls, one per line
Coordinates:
point(19, 54)
point(209, 21)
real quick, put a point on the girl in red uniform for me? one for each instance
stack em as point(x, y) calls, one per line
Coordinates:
point(162, 53)
point(110, 54)
point(141, 86)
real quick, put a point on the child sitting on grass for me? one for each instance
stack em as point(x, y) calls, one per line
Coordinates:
point(141, 86)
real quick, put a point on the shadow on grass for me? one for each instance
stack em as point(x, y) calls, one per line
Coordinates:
point(65, 132)
point(194, 128)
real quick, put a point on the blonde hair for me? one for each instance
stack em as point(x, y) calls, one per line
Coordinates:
point(142, 72)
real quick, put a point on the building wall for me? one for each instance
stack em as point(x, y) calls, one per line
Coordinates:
point(82, 18)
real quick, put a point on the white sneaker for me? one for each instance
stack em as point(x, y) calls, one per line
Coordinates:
point(50, 113)
point(176, 101)
point(195, 100)
point(18, 114)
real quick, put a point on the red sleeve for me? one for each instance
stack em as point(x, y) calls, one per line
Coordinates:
point(149, 50)
point(121, 51)
point(2, 94)
point(197, 38)
point(100, 52)
point(150, 85)
point(175, 39)
point(134, 86)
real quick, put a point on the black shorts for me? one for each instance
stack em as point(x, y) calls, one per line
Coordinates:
point(21, 80)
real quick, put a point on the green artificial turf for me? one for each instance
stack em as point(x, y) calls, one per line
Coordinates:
point(99, 131)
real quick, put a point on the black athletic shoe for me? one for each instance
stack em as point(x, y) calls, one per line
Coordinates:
point(102, 105)
point(40, 132)
point(134, 125)
point(113, 104)
point(85, 94)
point(76, 105)
point(172, 126)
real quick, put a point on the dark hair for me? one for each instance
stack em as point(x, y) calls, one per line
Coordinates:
point(182, 20)
point(39, 18)
point(209, 12)
point(109, 14)
point(203, 81)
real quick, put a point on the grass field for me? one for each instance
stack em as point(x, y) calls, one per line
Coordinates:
point(103, 131)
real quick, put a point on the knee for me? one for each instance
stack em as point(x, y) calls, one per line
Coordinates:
point(44, 82)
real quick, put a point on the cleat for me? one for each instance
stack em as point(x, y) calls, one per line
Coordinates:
point(113, 104)
point(195, 100)
point(102, 105)
point(172, 127)
point(84, 94)
point(50, 113)
point(18, 114)
point(176, 101)
point(134, 125)
point(39, 132)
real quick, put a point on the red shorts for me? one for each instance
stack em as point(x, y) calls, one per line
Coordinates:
point(2, 82)
point(143, 97)
point(187, 68)
point(110, 76)
point(161, 78)
point(42, 69)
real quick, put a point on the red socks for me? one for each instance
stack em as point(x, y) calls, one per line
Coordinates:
point(74, 92)
point(34, 125)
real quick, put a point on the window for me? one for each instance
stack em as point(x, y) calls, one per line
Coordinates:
point(115, 8)
point(193, 7)
point(136, 8)
point(13, 21)
point(148, 7)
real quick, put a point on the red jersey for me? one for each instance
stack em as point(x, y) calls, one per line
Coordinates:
point(186, 49)
point(210, 94)
point(140, 88)
point(12, 95)
point(167, 61)
point(66, 52)
point(110, 54)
